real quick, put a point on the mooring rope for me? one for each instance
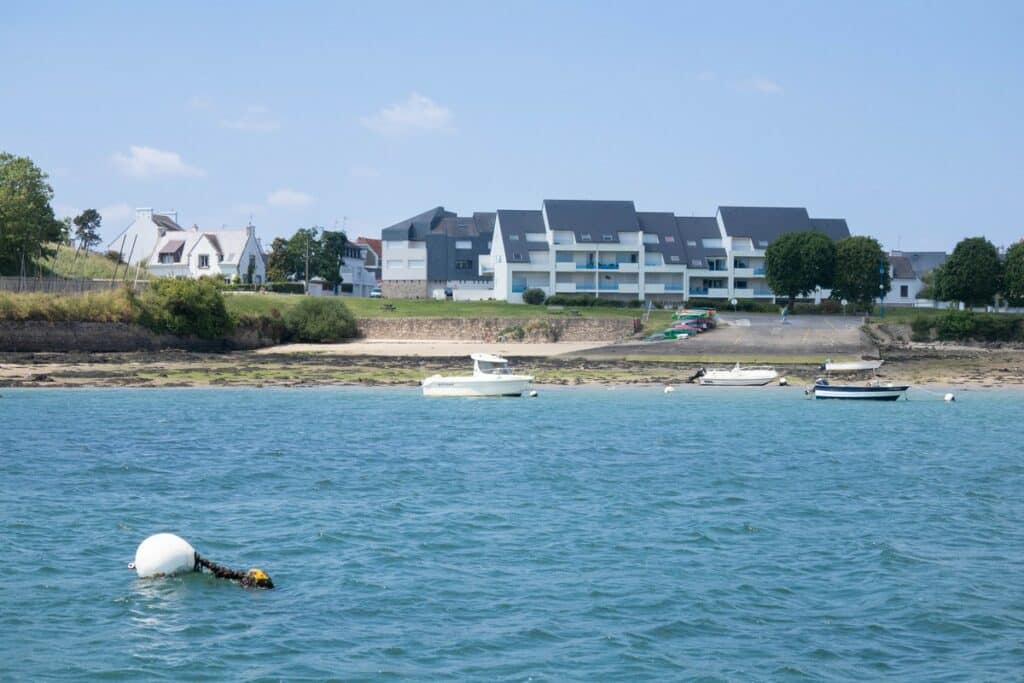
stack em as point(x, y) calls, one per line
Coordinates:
point(253, 578)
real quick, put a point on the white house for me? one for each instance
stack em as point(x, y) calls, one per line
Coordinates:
point(355, 270)
point(136, 242)
point(907, 268)
point(221, 253)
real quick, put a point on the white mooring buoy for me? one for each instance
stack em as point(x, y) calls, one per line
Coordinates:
point(669, 390)
point(949, 398)
point(783, 382)
point(163, 555)
point(533, 393)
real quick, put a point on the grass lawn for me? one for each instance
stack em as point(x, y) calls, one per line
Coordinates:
point(239, 303)
point(904, 314)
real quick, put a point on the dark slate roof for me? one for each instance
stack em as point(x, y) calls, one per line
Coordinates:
point(901, 267)
point(172, 247)
point(763, 223)
point(697, 229)
point(670, 244)
point(515, 225)
point(417, 228)
point(443, 256)
point(165, 222)
point(593, 218)
point(835, 228)
point(925, 261)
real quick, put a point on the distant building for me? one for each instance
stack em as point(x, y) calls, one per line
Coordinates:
point(136, 242)
point(373, 256)
point(602, 248)
point(228, 254)
point(907, 269)
point(436, 254)
point(357, 278)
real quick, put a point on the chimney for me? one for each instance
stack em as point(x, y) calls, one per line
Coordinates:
point(250, 230)
point(143, 213)
point(172, 214)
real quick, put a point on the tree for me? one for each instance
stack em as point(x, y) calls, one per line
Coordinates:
point(324, 251)
point(27, 223)
point(1013, 274)
point(797, 262)
point(87, 225)
point(858, 261)
point(932, 281)
point(973, 274)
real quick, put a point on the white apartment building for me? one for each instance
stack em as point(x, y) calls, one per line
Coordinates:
point(608, 249)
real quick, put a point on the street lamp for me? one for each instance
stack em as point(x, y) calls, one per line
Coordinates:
point(844, 302)
point(881, 289)
point(733, 302)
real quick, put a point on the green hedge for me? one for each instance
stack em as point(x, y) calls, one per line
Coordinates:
point(184, 308)
point(285, 287)
point(320, 319)
point(582, 301)
point(968, 326)
point(533, 296)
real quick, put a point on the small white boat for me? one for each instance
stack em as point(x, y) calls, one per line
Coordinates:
point(750, 376)
point(851, 366)
point(871, 391)
point(491, 377)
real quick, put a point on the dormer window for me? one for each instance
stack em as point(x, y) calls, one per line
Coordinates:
point(762, 243)
point(670, 239)
point(674, 258)
point(204, 260)
point(691, 243)
point(585, 237)
point(608, 238)
point(513, 237)
point(516, 256)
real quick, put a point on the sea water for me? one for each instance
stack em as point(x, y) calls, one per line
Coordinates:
point(587, 534)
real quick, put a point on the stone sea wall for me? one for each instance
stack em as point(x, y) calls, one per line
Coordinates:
point(58, 337)
point(491, 329)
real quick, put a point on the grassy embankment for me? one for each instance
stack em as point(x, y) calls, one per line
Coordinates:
point(264, 304)
point(86, 264)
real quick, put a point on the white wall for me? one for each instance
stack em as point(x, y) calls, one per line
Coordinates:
point(145, 234)
point(405, 252)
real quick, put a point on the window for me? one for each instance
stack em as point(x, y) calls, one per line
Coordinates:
point(463, 264)
point(396, 263)
point(674, 258)
point(513, 237)
point(691, 243)
point(904, 291)
point(608, 238)
point(166, 258)
point(670, 239)
point(585, 236)
point(762, 243)
point(714, 284)
point(741, 284)
point(416, 263)
point(463, 244)
point(516, 256)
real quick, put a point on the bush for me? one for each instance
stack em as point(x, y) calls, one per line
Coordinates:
point(582, 301)
point(316, 320)
point(285, 287)
point(533, 296)
point(745, 305)
point(184, 307)
point(968, 326)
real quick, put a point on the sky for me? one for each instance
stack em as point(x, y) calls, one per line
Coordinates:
point(905, 118)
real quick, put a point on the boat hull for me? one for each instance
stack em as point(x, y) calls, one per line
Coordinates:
point(852, 366)
point(476, 387)
point(892, 393)
point(735, 381)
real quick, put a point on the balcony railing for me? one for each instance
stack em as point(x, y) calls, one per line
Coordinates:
point(518, 287)
point(607, 266)
point(699, 291)
point(585, 266)
point(759, 271)
point(671, 287)
point(608, 285)
point(761, 291)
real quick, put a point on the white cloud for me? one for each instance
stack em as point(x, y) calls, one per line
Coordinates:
point(200, 103)
point(415, 114)
point(254, 120)
point(117, 216)
point(144, 162)
point(288, 199)
point(364, 172)
point(763, 85)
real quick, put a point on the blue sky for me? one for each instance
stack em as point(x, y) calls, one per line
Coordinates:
point(904, 118)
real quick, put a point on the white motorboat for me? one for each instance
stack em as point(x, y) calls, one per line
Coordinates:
point(851, 366)
point(870, 391)
point(491, 377)
point(739, 376)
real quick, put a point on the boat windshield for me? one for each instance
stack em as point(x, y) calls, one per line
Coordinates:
point(486, 368)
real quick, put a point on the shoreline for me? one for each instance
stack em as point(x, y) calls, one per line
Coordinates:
point(947, 368)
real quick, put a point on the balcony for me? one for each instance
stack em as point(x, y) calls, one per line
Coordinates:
point(761, 291)
point(585, 266)
point(674, 287)
point(759, 271)
point(607, 266)
point(698, 291)
point(743, 272)
point(609, 286)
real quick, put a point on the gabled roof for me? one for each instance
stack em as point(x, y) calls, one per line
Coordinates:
point(922, 261)
point(417, 228)
point(901, 268)
point(373, 244)
point(696, 229)
point(515, 225)
point(763, 223)
point(165, 222)
point(171, 247)
point(591, 220)
point(835, 228)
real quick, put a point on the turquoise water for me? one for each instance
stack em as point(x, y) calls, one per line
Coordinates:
point(587, 534)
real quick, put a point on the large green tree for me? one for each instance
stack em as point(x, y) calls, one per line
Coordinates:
point(324, 251)
point(973, 274)
point(798, 262)
point(27, 223)
point(87, 226)
point(861, 266)
point(1013, 274)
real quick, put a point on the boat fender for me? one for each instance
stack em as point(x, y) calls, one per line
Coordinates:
point(669, 390)
point(783, 382)
point(533, 393)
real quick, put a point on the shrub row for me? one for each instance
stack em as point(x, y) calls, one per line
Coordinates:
point(107, 307)
point(588, 300)
point(968, 326)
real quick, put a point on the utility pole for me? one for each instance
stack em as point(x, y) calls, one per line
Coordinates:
point(307, 263)
point(881, 288)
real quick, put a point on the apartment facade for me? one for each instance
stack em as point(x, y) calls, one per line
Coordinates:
point(609, 249)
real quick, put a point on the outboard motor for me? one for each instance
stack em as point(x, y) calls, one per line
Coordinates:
point(700, 373)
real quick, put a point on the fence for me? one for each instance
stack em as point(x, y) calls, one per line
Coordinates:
point(59, 285)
